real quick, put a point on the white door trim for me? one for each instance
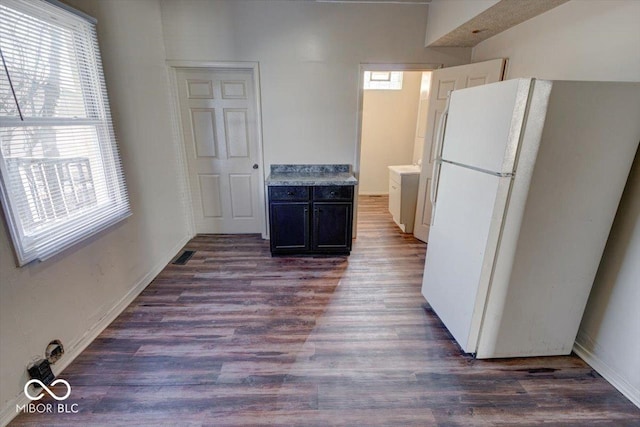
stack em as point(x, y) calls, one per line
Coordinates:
point(363, 66)
point(179, 148)
point(254, 67)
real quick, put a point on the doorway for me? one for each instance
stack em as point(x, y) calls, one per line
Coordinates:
point(393, 100)
point(220, 125)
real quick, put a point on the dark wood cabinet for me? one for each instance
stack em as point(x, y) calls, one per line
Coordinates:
point(332, 226)
point(311, 219)
point(290, 227)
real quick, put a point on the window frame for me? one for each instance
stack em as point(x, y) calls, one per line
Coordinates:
point(90, 220)
point(393, 81)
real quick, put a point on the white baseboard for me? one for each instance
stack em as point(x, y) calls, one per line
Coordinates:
point(9, 412)
point(607, 372)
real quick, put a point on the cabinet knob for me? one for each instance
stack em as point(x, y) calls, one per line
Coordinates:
point(255, 166)
point(333, 193)
point(289, 193)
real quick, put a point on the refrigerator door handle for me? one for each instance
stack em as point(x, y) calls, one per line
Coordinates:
point(435, 174)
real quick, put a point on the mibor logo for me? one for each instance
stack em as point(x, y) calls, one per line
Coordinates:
point(27, 392)
point(47, 408)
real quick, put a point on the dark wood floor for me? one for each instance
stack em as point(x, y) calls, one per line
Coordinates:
point(237, 338)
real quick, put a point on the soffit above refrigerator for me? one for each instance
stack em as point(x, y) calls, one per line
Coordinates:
point(374, 1)
point(491, 21)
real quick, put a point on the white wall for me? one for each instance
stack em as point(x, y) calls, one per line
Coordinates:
point(447, 15)
point(610, 331)
point(309, 55)
point(75, 294)
point(595, 40)
point(579, 40)
point(388, 132)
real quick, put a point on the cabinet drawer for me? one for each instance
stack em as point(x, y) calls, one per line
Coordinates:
point(333, 192)
point(293, 192)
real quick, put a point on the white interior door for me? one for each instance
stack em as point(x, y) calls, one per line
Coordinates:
point(218, 115)
point(421, 125)
point(443, 81)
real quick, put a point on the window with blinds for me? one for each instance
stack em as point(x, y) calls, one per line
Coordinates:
point(61, 179)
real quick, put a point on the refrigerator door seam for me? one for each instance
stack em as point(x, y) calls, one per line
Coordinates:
point(498, 174)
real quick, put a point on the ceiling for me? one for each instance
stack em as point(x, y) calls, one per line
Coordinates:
point(499, 17)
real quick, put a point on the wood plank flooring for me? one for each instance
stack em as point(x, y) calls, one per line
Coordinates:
point(238, 338)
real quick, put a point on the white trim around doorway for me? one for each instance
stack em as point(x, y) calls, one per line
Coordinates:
point(254, 67)
point(375, 67)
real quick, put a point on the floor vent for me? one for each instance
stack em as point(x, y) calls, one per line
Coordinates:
point(183, 258)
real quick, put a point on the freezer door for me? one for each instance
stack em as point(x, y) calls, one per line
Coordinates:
point(485, 123)
point(461, 248)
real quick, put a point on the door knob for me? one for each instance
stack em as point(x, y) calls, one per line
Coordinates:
point(255, 166)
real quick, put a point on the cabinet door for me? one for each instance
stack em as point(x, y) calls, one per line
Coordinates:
point(394, 200)
point(289, 227)
point(332, 226)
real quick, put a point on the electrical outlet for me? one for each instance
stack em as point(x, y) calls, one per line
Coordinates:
point(54, 351)
point(41, 370)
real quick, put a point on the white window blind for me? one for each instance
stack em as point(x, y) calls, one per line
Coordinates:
point(61, 176)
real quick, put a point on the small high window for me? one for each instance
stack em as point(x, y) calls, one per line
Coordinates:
point(383, 80)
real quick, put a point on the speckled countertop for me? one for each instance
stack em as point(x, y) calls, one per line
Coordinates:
point(311, 175)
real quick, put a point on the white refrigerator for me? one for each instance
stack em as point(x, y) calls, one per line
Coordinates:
point(526, 184)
